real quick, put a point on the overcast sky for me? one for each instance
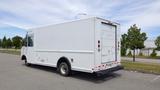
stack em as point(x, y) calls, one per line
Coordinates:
point(16, 15)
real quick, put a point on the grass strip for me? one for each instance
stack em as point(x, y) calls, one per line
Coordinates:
point(10, 51)
point(141, 67)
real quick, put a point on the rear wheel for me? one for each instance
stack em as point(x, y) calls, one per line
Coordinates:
point(64, 69)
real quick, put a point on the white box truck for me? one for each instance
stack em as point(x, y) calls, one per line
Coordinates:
point(89, 45)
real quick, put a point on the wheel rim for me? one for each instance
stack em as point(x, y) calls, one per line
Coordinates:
point(64, 69)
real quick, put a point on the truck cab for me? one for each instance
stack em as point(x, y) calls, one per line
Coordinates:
point(27, 51)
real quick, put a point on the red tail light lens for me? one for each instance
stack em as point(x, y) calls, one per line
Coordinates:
point(99, 45)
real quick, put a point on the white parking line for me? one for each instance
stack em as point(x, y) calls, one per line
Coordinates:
point(156, 78)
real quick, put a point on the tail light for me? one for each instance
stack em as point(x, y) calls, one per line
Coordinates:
point(118, 45)
point(99, 45)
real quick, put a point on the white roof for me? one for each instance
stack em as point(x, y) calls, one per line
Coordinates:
point(31, 29)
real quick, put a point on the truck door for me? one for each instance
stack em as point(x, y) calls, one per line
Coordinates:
point(108, 42)
point(30, 47)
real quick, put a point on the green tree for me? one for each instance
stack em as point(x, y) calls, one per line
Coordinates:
point(157, 42)
point(8, 43)
point(17, 42)
point(0, 43)
point(4, 42)
point(135, 39)
point(24, 41)
point(124, 44)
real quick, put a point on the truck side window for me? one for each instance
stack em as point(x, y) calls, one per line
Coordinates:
point(30, 40)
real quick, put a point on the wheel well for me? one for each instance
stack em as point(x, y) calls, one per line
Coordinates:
point(23, 57)
point(63, 59)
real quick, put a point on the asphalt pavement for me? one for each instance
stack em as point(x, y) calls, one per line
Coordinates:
point(14, 75)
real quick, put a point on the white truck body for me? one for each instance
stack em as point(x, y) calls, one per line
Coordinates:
point(90, 45)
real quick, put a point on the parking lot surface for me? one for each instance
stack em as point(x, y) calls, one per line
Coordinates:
point(14, 75)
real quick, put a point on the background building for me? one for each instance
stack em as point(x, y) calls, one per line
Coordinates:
point(149, 47)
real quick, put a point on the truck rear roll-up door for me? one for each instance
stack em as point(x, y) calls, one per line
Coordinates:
point(109, 41)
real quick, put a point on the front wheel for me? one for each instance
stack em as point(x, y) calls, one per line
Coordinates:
point(26, 63)
point(64, 69)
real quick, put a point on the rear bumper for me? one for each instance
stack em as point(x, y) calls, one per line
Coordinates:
point(109, 70)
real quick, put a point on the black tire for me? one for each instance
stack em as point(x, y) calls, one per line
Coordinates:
point(26, 63)
point(64, 69)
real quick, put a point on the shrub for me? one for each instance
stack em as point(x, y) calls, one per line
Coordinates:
point(153, 54)
point(140, 54)
point(130, 53)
